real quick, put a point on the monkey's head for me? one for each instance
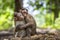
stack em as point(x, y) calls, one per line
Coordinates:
point(24, 11)
point(18, 16)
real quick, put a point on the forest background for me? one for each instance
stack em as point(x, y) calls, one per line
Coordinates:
point(45, 12)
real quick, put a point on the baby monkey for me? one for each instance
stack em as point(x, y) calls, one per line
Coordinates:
point(19, 21)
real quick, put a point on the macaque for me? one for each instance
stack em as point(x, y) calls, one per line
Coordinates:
point(19, 21)
point(30, 24)
point(27, 23)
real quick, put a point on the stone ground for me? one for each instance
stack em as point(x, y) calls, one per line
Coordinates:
point(43, 35)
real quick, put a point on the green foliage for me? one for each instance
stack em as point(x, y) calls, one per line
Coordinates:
point(57, 23)
point(43, 19)
point(36, 4)
point(6, 14)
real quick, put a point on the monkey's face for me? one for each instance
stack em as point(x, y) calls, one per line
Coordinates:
point(24, 12)
point(19, 17)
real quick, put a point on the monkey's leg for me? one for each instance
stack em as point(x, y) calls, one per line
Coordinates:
point(16, 33)
point(28, 32)
point(21, 33)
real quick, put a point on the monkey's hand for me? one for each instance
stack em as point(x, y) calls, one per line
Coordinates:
point(26, 25)
point(22, 27)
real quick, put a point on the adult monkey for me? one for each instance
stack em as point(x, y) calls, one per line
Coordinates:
point(30, 25)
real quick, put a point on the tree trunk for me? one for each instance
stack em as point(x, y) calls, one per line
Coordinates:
point(18, 4)
point(56, 11)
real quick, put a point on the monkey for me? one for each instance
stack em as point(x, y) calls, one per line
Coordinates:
point(30, 25)
point(19, 21)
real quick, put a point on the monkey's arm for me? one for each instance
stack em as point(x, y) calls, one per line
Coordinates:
point(29, 21)
point(26, 25)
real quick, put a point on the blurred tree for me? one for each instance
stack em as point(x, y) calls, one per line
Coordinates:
point(54, 6)
point(18, 4)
